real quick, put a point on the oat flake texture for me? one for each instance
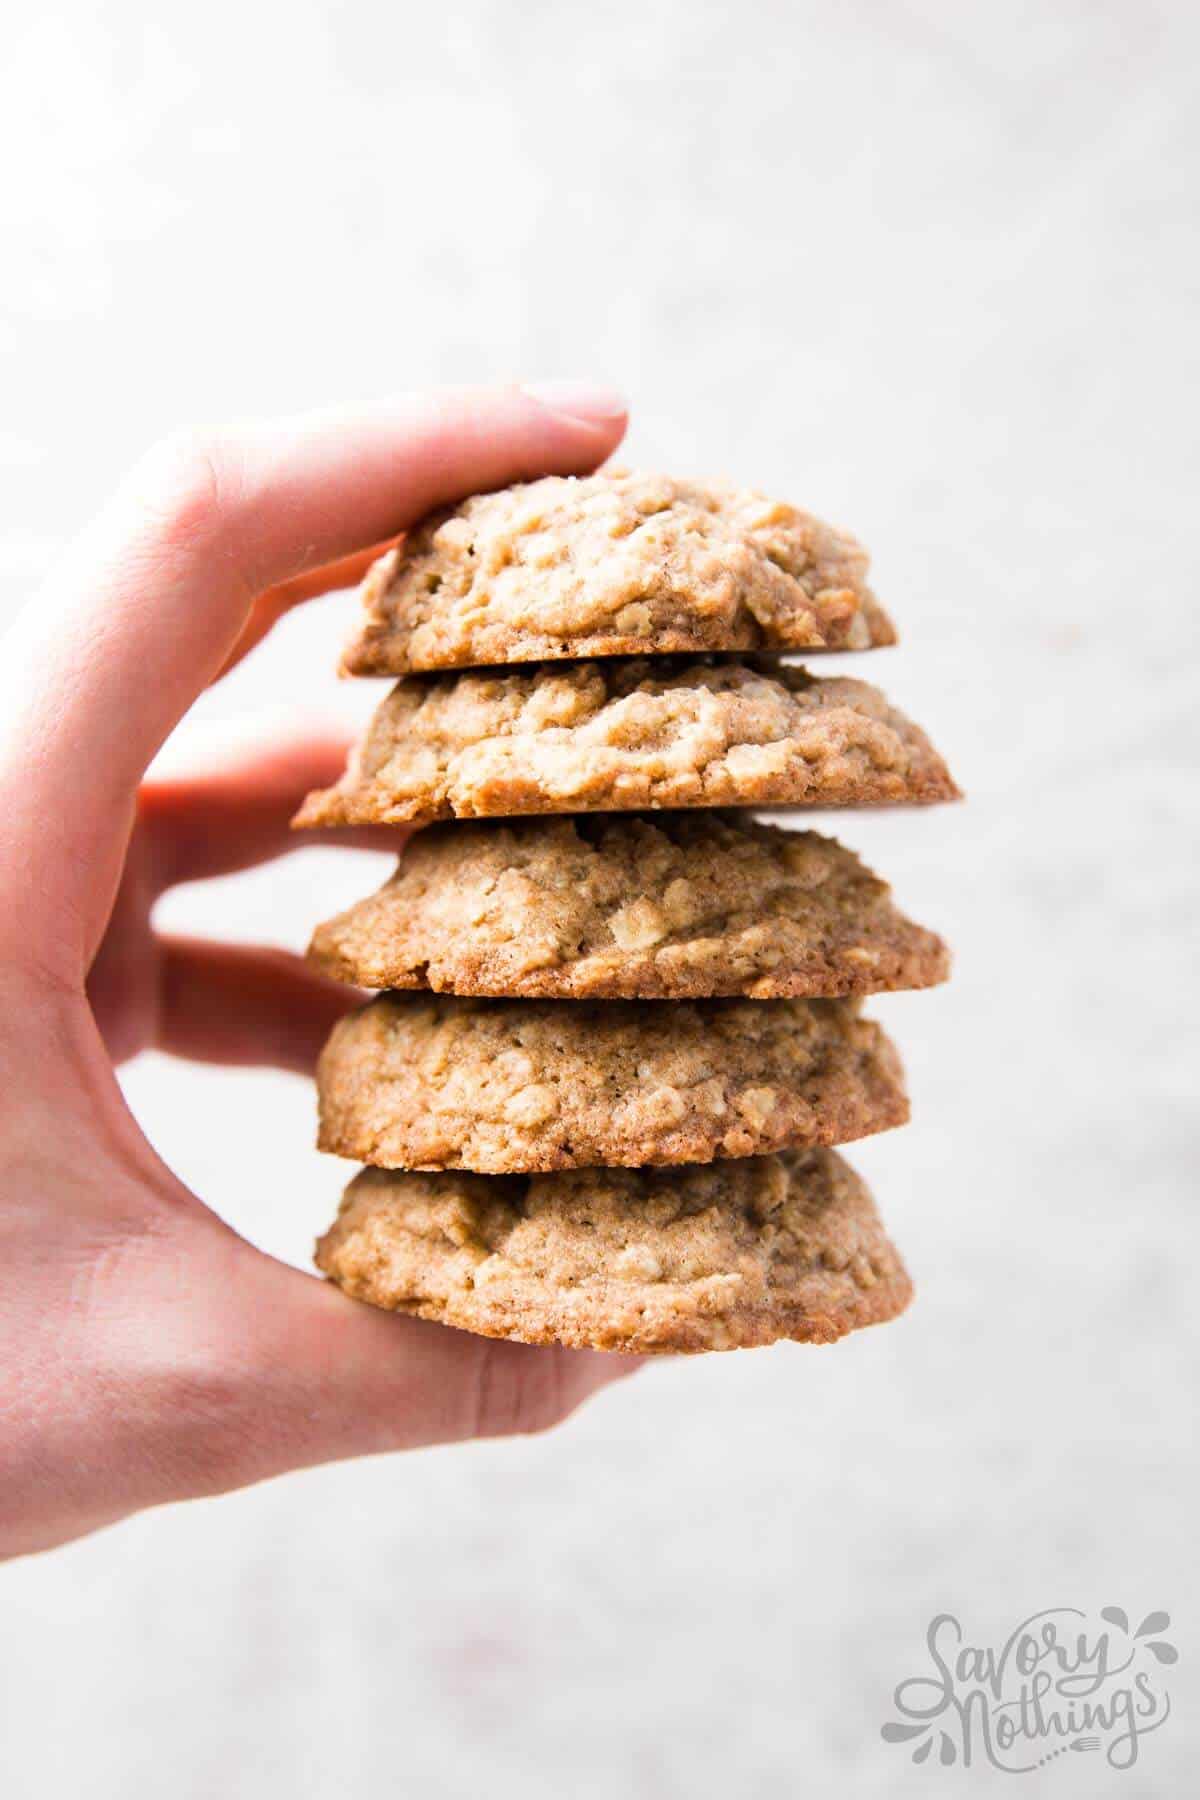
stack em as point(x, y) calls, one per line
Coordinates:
point(424, 1082)
point(611, 906)
point(613, 564)
point(720, 1257)
point(625, 735)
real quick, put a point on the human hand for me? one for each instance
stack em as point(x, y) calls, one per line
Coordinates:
point(148, 1353)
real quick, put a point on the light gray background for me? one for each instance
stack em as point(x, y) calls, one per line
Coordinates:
point(930, 269)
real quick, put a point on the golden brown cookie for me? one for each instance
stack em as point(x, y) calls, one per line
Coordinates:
point(671, 906)
point(629, 734)
point(501, 1086)
point(615, 564)
point(720, 1257)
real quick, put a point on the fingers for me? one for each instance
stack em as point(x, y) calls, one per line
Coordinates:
point(237, 814)
point(153, 602)
point(238, 1004)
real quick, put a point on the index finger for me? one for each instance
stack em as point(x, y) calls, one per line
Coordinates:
point(154, 598)
point(270, 606)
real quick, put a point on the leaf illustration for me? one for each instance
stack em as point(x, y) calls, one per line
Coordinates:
point(1165, 1653)
point(947, 1753)
point(893, 1733)
point(1115, 1616)
point(1153, 1623)
point(921, 1753)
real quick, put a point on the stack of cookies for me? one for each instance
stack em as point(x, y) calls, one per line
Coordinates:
point(619, 1028)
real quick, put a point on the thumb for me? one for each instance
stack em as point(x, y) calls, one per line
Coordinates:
point(306, 1375)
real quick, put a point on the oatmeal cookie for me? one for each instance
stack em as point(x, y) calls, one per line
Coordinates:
point(671, 906)
point(626, 735)
point(719, 1257)
point(614, 564)
point(502, 1086)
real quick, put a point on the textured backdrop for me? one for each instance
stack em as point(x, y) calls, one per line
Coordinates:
point(931, 269)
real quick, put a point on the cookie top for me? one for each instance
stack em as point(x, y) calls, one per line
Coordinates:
point(669, 906)
point(628, 734)
point(615, 564)
point(505, 1086)
point(714, 1258)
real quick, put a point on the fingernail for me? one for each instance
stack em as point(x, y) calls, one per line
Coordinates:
point(579, 400)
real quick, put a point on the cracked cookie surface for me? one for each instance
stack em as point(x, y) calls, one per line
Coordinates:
point(422, 1082)
point(620, 563)
point(669, 906)
point(719, 1257)
point(626, 735)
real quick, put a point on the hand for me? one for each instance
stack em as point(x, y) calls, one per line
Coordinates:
point(147, 1353)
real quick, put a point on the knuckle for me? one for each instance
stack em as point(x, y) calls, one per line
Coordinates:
point(518, 1391)
point(197, 481)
